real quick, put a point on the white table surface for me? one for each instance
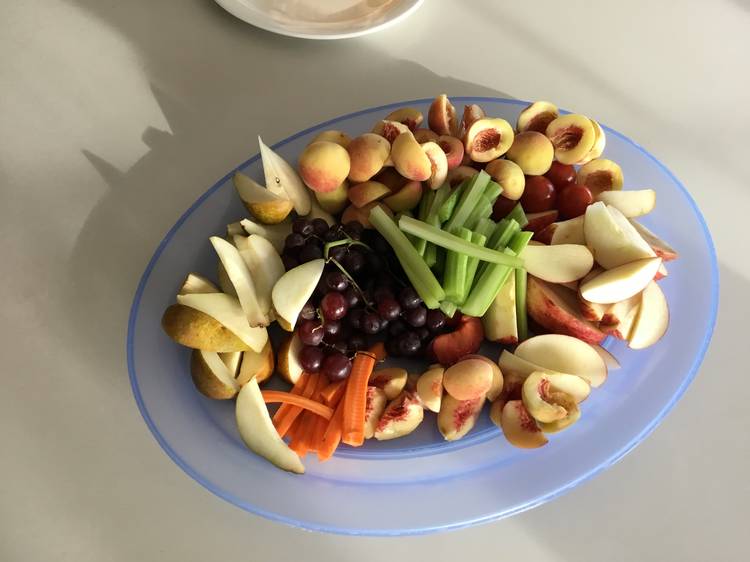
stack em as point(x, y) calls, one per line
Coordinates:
point(115, 116)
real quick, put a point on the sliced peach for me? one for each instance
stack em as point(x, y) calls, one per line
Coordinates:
point(439, 164)
point(453, 148)
point(533, 152)
point(465, 339)
point(472, 114)
point(374, 408)
point(339, 137)
point(497, 376)
point(390, 177)
point(334, 201)
point(362, 214)
point(442, 116)
point(600, 175)
point(401, 417)
point(410, 159)
point(536, 117)
point(367, 154)
point(324, 166)
point(458, 175)
point(572, 136)
point(519, 428)
point(573, 415)
point(496, 411)
point(510, 177)
point(457, 417)
point(367, 192)
point(425, 135)
point(430, 388)
point(389, 129)
point(468, 379)
point(488, 139)
point(392, 380)
point(599, 142)
point(406, 198)
point(548, 397)
point(408, 116)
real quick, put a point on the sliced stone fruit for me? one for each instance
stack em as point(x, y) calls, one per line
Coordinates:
point(409, 116)
point(519, 428)
point(324, 165)
point(487, 139)
point(509, 176)
point(367, 156)
point(533, 152)
point(402, 416)
point(536, 117)
point(430, 388)
point(457, 417)
point(376, 402)
point(391, 380)
point(410, 159)
point(468, 379)
point(600, 175)
point(572, 136)
point(442, 116)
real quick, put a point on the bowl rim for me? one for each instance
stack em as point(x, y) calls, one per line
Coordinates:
point(291, 521)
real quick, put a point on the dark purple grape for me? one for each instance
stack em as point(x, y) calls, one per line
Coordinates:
point(354, 318)
point(388, 308)
point(409, 344)
point(370, 323)
point(340, 346)
point(435, 320)
point(310, 332)
point(337, 253)
point(289, 261)
point(416, 317)
point(333, 306)
point(336, 281)
point(354, 261)
point(391, 348)
point(311, 358)
point(308, 311)
point(374, 262)
point(409, 298)
point(354, 229)
point(352, 297)
point(310, 251)
point(294, 241)
point(424, 334)
point(302, 226)
point(336, 366)
point(320, 227)
point(357, 342)
point(380, 245)
point(396, 328)
point(381, 293)
point(332, 327)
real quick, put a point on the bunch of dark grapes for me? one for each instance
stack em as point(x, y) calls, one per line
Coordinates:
point(362, 297)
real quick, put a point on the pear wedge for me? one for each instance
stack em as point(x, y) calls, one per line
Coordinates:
point(264, 261)
point(283, 180)
point(195, 283)
point(266, 206)
point(211, 376)
point(256, 365)
point(274, 233)
point(293, 289)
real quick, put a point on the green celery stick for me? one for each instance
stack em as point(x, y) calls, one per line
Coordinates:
point(430, 255)
point(492, 191)
point(449, 308)
point(522, 321)
point(519, 216)
point(448, 206)
point(482, 210)
point(471, 266)
point(439, 267)
point(455, 270)
point(468, 200)
point(485, 227)
point(456, 243)
point(425, 203)
point(499, 231)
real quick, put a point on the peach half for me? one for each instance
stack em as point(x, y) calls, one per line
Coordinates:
point(438, 163)
point(488, 139)
point(410, 159)
point(324, 165)
point(389, 129)
point(536, 117)
point(453, 148)
point(519, 428)
point(338, 137)
point(573, 137)
point(458, 175)
point(457, 417)
point(425, 135)
point(406, 198)
point(509, 175)
point(442, 116)
point(600, 175)
point(367, 192)
point(367, 155)
point(533, 152)
point(408, 116)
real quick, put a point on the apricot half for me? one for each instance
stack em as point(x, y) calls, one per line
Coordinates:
point(488, 139)
point(367, 155)
point(324, 165)
point(573, 137)
point(510, 177)
point(442, 116)
point(533, 152)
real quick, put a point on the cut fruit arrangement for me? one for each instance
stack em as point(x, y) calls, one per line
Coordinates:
point(423, 242)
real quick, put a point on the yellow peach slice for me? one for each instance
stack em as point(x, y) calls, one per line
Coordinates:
point(338, 137)
point(367, 155)
point(573, 136)
point(410, 159)
point(488, 139)
point(533, 152)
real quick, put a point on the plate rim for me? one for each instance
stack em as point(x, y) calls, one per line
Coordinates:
point(290, 521)
point(230, 7)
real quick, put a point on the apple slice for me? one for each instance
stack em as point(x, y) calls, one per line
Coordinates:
point(565, 354)
point(609, 360)
point(293, 289)
point(263, 260)
point(662, 273)
point(540, 221)
point(620, 283)
point(283, 180)
point(633, 203)
point(557, 264)
point(195, 283)
point(618, 311)
point(268, 207)
point(652, 319)
point(500, 319)
point(211, 376)
point(275, 233)
point(521, 368)
point(592, 311)
point(556, 308)
point(564, 232)
point(232, 360)
point(611, 238)
point(242, 281)
point(256, 365)
point(257, 430)
point(226, 311)
point(659, 246)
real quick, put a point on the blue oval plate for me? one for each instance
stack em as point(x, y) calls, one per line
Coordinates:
point(419, 484)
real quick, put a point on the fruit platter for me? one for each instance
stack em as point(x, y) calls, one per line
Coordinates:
point(411, 295)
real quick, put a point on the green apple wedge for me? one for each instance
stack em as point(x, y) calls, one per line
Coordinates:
point(257, 430)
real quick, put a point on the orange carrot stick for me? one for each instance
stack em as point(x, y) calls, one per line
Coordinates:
point(333, 393)
point(298, 388)
point(378, 350)
point(302, 441)
point(285, 423)
point(322, 424)
point(355, 399)
point(332, 436)
point(270, 396)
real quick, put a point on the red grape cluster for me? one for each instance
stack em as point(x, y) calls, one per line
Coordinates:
point(362, 297)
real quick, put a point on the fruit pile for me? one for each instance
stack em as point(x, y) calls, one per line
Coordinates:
point(408, 241)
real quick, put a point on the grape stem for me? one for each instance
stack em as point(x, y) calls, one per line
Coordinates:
point(348, 241)
point(349, 277)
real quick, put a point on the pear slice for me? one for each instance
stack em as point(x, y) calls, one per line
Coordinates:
point(611, 238)
point(632, 203)
point(282, 179)
point(195, 283)
point(234, 228)
point(620, 283)
point(557, 264)
point(256, 365)
point(268, 207)
point(652, 319)
point(232, 360)
point(293, 289)
point(288, 363)
point(263, 260)
point(565, 354)
point(211, 376)
point(242, 281)
point(226, 311)
point(275, 233)
point(257, 430)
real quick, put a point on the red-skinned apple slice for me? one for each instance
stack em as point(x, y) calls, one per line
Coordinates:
point(563, 232)
point(565, 354)
point(556, 308)
point(652, 319)
point(514, 366)
point(611, 238)
point(557, 264)
point(592, 311)
point(621, 317)
point(631, 203)
point(620, 283)
point(540, 221)
point(659, 246)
